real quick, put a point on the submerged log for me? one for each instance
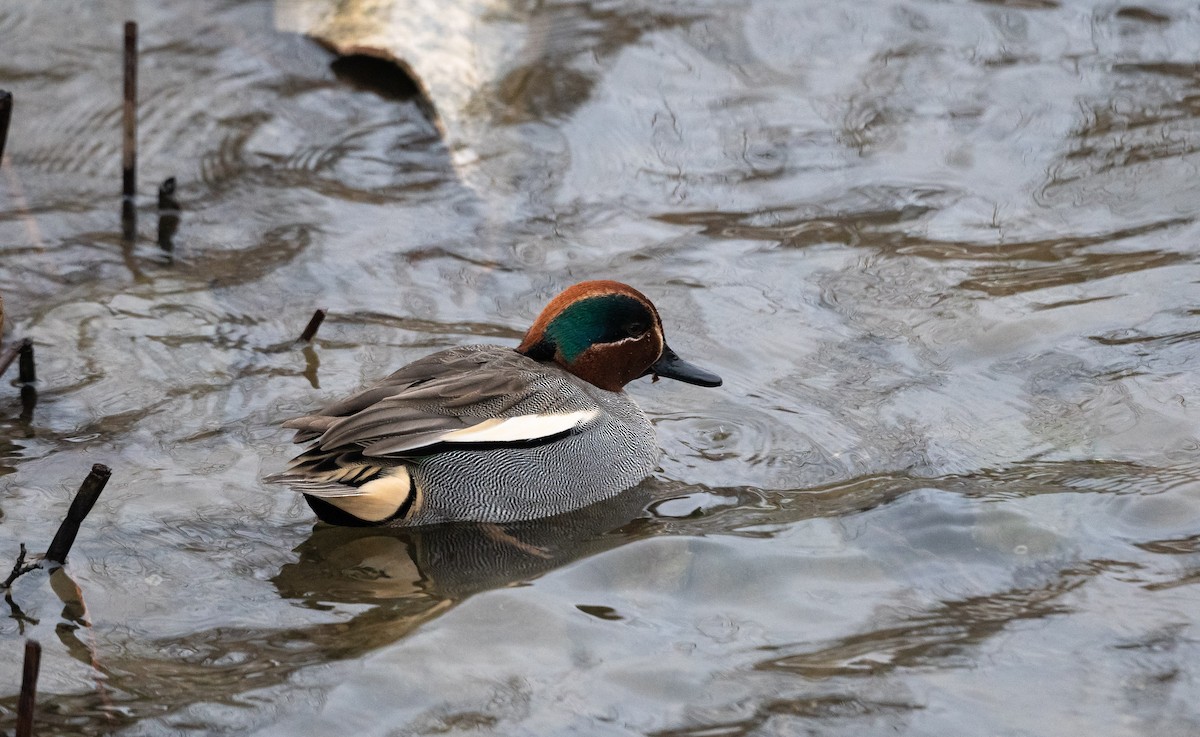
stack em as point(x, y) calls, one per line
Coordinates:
point(453, 52)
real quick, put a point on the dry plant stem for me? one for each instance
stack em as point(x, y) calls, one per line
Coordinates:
point(83, 502)
point(6, 102)
point(166, 195)
point(168, 215)
point(29, 676)
point(26, 370)
point(129, 147)
point(19, 569)
point(313, 325)
point(10, 354)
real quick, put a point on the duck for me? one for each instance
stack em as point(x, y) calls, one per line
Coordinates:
point(492, 433)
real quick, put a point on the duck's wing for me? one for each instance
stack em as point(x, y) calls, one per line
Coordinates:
point(476, 395)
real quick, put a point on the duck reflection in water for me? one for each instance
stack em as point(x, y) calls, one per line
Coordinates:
point(444, 564)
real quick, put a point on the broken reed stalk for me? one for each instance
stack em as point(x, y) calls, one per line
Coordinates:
point(129, 148)
point(166, 195)
point(83, 502)
point(28, 699)
point(19, 569)
point(10, 355)
point(6, 100)
point(313, 325)
point(129, 139)
point(26, 370)
point(168, 215)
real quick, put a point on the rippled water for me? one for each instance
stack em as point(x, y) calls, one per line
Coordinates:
point(944, 255)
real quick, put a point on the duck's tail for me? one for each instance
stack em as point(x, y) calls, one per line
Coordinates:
point(358, 494)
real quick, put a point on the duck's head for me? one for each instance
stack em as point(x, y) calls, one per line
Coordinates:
point(608, 334)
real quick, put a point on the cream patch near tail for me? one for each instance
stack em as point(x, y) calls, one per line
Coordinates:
point(374, 501)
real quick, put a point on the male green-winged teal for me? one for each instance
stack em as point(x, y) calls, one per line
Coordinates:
point(494, 434)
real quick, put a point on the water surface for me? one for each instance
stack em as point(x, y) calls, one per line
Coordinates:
point(944, 255)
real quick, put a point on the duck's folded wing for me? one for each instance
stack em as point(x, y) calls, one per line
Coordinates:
point(447, 398)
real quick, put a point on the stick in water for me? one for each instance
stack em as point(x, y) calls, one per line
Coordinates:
point(168, 215)
point(313, 324)
point(5, 116)
point(33, 663)
point(20, 568)
point(129, 142)
point(83, 502)
point(10, 354)
point(129, 149)
point(26, 370)
point(166, 195)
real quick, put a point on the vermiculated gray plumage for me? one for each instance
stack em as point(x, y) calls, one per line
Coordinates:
point(403, 419)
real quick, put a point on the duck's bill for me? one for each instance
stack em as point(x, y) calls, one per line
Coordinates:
point(671, 366)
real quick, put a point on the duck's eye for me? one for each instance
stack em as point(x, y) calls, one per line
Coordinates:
point(636, 328)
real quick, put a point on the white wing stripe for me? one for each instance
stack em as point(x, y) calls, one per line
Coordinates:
point(519, 429)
